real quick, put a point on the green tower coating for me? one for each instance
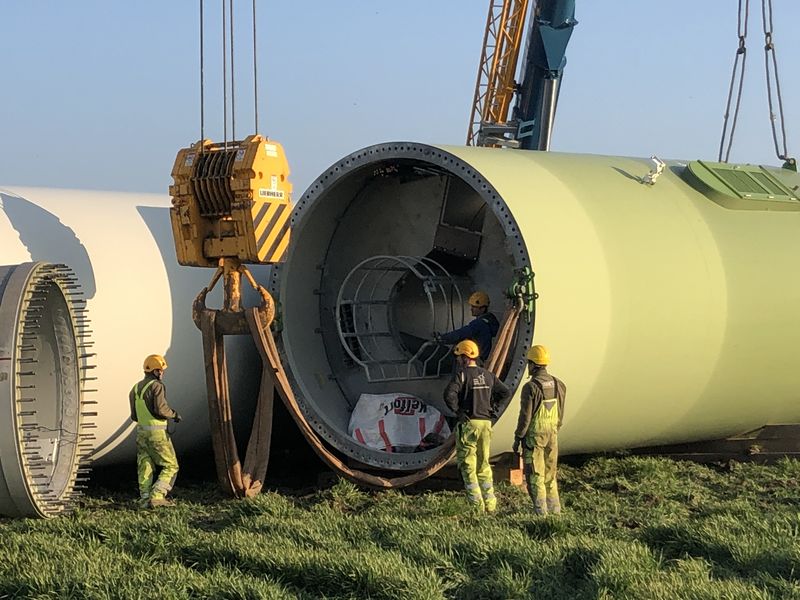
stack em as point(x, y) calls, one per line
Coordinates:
point(668, 299)
point(670, 317)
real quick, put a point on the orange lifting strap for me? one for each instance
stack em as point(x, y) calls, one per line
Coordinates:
point(247, 479)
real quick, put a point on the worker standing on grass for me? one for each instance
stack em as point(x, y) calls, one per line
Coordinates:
point(481, 329)
point(150, 410)
point(474, 394)
point(540, 415)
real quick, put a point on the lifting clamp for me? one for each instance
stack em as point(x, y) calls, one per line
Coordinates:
point(231, 205)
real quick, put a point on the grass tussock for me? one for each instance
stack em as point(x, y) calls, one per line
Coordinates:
point(633, 528)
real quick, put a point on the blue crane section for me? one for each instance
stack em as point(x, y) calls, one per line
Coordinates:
point(542, 69)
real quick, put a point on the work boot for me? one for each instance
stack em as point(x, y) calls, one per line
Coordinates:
point(477, 508)
point(539, 507)
point(159, 502)
point(554, 506)
point(143, 502)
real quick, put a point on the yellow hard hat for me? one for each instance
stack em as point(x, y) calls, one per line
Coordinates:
point(479, 299)
point(539, 354)
point(153, 362)
point(468, 348)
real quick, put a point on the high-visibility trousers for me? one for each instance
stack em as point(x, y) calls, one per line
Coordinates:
point(540, 458)
point(472, 453)
point(154, 450)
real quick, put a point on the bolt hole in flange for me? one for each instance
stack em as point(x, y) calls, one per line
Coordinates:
point(46, 429)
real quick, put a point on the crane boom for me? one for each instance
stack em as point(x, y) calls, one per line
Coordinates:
point(531, 121)
point(494, 88)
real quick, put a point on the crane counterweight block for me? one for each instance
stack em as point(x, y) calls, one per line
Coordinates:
point(231, 200)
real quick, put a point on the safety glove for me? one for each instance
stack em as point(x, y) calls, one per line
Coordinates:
point(177, 417)
point(517, 442)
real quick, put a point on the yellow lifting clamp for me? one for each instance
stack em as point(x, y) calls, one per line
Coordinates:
point(231, 205)
point(231, 200)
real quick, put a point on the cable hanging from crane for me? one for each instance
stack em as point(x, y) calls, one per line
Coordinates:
point(738, 71)
point(769, 52)
point(771, 68)
point(227, 52)
point(224, 77)
point(233, 80)
point(255, 75)
point(202, 79)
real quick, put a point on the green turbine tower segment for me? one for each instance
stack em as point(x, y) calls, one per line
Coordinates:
point(668, 296)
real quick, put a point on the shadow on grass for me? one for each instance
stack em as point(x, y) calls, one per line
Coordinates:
point(571, 578)
point(356, 575)
point(578, 567)
point(543, 528)
point(239, 513)
point(677, 542)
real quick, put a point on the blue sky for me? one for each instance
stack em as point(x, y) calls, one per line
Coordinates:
point(101, 94)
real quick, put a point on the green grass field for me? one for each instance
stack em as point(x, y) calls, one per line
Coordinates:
point(633, 528)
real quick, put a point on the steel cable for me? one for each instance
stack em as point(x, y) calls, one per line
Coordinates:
point(255, 73)
point(202, 81)
point(769, 49)
point(227, 47)
point(233, 86)
point(224, 76)
point(741, 52)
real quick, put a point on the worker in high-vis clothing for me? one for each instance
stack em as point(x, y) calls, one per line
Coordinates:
point(540, 415)
point(154, 448)
point(481, 329)
point(475, 395)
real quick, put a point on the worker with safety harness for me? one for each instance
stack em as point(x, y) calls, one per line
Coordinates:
point(481, 329)
point(540, 415)
point(150, 410)
point(475, 395)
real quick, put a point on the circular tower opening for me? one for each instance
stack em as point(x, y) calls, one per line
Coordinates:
point(46, 430)
point(386, 247)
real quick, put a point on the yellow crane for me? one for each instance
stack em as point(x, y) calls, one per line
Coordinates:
point(495, 85)
point(520, 114)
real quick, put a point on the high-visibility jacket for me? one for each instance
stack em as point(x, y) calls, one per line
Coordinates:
point(546, 418)
point(542, 388)
point(147, 422)
point(153, 393)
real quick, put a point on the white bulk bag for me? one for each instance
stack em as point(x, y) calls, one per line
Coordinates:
point(394, 421)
